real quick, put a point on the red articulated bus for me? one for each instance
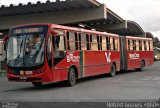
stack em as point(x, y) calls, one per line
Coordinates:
point(40, 53)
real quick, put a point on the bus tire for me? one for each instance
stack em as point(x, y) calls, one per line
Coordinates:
point(72, 79)
point(113, 71)
point(37, 84)
point(142, 66)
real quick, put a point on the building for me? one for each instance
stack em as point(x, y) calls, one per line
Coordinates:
point(90, 13)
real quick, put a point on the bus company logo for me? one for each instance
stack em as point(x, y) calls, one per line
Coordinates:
point(108, 57)
point(72, 58)
point(134, 56)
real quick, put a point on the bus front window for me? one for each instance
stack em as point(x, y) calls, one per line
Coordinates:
point(26, 50)
point(14, 51)
point(34, 50)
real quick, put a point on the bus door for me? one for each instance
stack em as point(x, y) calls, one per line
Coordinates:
point(49, 54)
point(58, 53)
point(123, 53)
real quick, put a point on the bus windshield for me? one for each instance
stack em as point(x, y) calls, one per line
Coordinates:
point(25, 49)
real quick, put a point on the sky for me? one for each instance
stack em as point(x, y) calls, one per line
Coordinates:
point(145, 12)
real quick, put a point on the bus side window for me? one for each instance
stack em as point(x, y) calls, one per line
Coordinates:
point(83, 41)
point(104, 43)
point(131, 45)
point(57, 41)
point(72, 40)
point(151, 45)
point(111, 43)
point(140, 45)
point(94, 43)
point(76, 41)
point(134, 45)
point(88, 43)
point(108, 43)
point(137, 45)
point(128, 45)
point(143, 46)
point(59, 46)
point(147, 45)
point(116, 44)
point(114, 47)
point(62, 43)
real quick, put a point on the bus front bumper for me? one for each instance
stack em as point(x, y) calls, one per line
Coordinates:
point(43, 77)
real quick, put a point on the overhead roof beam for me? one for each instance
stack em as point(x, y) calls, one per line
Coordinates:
point(141, 35)
point(58, 17)
point(95, 2)
point(113, 14)
point(149, 35)
point(112, 26)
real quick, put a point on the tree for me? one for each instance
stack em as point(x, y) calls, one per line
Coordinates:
point(157, 42)
point(156, 39)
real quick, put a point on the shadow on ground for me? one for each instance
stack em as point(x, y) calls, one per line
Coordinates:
point(59, 85)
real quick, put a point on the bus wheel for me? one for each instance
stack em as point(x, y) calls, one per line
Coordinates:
point(37, 84)
point(113, 70)
point(71, 77)
point(142, 66)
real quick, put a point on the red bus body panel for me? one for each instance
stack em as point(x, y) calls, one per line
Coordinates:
point(92, 63)
point(136, 63)
point(135, 57)
point(87, 63)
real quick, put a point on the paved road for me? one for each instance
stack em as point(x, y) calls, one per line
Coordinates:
point(127, 85)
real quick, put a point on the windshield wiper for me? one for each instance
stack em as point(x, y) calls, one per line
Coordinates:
point(17, 57)
point(9, 62)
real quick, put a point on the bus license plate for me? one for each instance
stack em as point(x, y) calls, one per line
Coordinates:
point(23, 78)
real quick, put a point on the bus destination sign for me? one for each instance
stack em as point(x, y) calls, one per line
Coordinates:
point(28, 30)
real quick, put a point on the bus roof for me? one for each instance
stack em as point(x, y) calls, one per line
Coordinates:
point(140, 38)
point(68, 28)
point(82, 30)
point(32, 24)
point(56, 26)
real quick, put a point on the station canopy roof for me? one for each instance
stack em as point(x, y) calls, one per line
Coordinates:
point(150, 35)
point(113, 23)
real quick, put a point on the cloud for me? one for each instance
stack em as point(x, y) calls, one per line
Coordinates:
point(156, 34)
point(145, 12)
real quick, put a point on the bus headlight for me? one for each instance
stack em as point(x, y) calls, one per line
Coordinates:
point(155, 56)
